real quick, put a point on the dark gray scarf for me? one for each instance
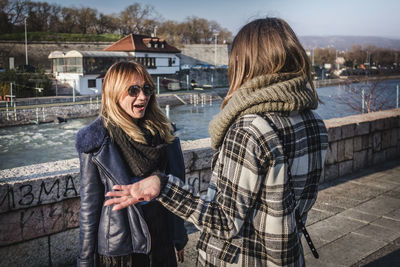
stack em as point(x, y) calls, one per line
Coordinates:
point(143, 159)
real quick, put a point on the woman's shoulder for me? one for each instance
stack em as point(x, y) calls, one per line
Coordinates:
point(254, 124)
point(91, 136)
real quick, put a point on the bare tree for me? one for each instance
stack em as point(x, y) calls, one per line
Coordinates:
point(13, 13)
point(87, 20)
point(107, 24)
point(137, 19)
point(366, 96)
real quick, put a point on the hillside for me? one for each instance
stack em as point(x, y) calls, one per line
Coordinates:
point(346, 42)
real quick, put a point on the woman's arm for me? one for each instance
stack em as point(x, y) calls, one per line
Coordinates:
point(239, 173)
point(92, 199)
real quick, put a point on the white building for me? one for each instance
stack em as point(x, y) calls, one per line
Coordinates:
point(84, 70)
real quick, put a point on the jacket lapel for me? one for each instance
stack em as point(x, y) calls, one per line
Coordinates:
point(110, 160)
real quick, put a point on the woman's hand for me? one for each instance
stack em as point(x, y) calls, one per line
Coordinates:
point(126, 195)
point(181, 255)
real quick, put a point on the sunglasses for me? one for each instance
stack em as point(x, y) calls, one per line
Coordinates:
point(134, 90)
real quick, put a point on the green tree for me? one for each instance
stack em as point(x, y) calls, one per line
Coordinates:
point(27, 84)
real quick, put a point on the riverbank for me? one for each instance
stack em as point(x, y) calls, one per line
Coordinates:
point(54, 109)
point(352, 79)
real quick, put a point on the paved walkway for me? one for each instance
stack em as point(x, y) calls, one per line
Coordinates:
point(355, 221)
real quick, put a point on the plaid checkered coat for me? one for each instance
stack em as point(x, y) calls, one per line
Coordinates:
point(247, 216)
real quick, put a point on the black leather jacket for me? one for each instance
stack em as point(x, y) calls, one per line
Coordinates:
point(114, 233)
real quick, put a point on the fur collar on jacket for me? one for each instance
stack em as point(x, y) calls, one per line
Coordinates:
point(91, 137)
point(266, 93)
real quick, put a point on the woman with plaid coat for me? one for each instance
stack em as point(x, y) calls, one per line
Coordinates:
point(271, 150)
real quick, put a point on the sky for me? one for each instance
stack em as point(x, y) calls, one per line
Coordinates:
point(306, 17)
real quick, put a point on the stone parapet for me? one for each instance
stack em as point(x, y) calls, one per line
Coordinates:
point(358, 141)
point(39, 204)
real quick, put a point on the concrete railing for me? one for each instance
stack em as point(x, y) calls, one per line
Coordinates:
point(39, 204)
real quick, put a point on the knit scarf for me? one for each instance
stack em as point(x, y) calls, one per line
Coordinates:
point(143, 159)
point(267, 93)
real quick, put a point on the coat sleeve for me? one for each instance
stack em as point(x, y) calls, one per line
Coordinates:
point(92, 199)
point(238, 173)
point(176, 167)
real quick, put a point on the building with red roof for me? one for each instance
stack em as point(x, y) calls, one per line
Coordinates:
point(84, 70)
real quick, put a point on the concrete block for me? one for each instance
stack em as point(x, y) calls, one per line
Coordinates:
point(188, 159)
point(362, 128)
point(41, 220)
point(27, 193)
point(64, 248)
point(390, 123)
point(377, 141)
point(348, 149)
point(345, 167)
point(388, 223)
point(341, 150)
point(334, 133)
point(394, 215)
point(348, 130)
point(315, 215)
point(395, 137)
point(7, 202)
point(10, 230)
point(386, 139)
point(331, 172)
point(357, 191)
point(362, 142)
point(331, 156)
point(377, 125)
point(52, 218)
point(391, 153)
point(378, 157)
point(328, 208)
point(380, 205)
point(360, 159)
point(345, 251)
point(202, 159)
point(205, 176)
point(33, 253)
point(338, 201)
point(354, 214)
point(367, 141)
point(378, 233)
point(370, 156)
point(333, 228)
point(357, 145)
point(71, 209)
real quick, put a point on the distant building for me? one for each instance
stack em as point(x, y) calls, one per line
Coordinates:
point(156, 54)
point(84, 70)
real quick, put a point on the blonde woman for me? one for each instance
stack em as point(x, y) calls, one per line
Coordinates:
point(271, 150)
point(130, 140)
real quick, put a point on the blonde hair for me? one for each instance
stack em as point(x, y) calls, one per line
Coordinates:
point(116, 82)
point(266, 46)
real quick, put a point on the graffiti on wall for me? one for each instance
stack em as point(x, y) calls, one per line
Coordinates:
point(36, 192)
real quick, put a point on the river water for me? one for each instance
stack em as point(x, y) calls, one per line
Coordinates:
point(32, 144)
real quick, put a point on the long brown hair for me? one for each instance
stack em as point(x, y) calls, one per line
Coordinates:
point(116, 82)
point(266, 46)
